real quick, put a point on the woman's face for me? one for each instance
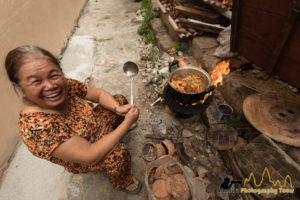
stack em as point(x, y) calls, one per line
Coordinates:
point(43, 84)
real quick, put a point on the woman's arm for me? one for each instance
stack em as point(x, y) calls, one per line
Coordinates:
point(78, 149)
point(104, 98)
point(98, 95)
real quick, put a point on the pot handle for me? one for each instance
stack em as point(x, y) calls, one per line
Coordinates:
point(175, 62)
point(209, 89)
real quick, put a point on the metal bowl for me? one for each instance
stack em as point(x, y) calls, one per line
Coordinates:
point(191, 70)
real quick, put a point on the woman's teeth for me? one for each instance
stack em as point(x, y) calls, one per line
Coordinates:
point(52, 95)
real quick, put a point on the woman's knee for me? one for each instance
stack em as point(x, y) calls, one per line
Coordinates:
point(119, 156)
point(121, 99)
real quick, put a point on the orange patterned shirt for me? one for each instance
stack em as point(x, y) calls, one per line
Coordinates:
point(43, 132)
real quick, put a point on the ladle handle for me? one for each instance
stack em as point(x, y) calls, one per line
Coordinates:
point(131, 90)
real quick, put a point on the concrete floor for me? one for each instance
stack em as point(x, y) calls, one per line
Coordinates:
point(105, 38)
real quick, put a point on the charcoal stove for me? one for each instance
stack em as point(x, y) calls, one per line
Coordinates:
point(183, 110)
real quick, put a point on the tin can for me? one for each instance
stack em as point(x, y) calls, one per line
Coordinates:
point(223, 113)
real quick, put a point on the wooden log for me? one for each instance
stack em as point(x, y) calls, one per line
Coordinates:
point(205, 16)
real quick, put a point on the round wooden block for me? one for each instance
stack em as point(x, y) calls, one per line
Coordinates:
point(275, 117)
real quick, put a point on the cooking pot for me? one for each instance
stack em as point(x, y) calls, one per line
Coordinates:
point(190, 98)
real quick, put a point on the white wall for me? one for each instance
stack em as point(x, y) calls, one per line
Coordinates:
point(45, 23)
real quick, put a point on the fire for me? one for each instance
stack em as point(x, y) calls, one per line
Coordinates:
point(221, 69)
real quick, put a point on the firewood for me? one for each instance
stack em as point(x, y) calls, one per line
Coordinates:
point(191, 30)
point(181, 30)
point(205, 16)
point(202, 26)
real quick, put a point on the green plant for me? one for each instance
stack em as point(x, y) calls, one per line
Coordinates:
point(174, 67)
point(176, 46)
point(159, 79)
point(145, 27)
point(153, 55)
point(150, 37)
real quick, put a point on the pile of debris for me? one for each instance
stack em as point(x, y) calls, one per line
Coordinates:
point(168, 182)
point(191, 18)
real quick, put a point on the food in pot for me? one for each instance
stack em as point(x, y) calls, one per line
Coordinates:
point(191, 84)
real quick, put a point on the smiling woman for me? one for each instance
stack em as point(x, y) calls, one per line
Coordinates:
point(58, 124)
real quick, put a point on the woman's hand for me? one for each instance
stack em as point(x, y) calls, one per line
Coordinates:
point(122, 110)
point(133, 114)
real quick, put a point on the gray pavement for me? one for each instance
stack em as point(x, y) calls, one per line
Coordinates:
point(105, 38)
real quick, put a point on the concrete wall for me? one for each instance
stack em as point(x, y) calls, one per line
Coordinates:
point(38, 22)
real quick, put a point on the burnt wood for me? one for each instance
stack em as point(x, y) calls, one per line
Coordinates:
point(205, 16)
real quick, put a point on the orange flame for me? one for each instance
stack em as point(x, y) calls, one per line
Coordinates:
point(221, 69)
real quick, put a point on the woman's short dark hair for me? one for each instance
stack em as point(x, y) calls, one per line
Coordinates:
point(25, 54)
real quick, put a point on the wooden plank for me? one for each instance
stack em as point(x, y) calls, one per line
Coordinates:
point(266, 28)
point(292, 48)
point(288, 27)
point(253, 50)
point(165, 18)
point(198, 14)
point(281, 7)
point(289, 70)
point(202, 26)
point(235, 26)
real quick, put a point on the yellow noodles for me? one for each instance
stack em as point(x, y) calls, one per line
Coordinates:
point(191, 84)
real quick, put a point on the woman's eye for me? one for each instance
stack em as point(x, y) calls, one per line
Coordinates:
point(54, 76)
point(35, 82)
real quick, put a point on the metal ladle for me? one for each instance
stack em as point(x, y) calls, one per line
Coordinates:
point(131, 69)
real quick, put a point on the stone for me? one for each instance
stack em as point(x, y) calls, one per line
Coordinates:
point(203, 161)
point(223, 195)
point(201, 171)
point(237, 62)
point(205, 42)
point(190, 172)
point(154, 71)
point(214, 159)
point(198, 145)
point(148, 94)
point(158, 26)
point(240, 143)
point(295, 90)
point(160, 129)
point(187, 133)
point(164, 41)
point(198, 128)
point(164, 71)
